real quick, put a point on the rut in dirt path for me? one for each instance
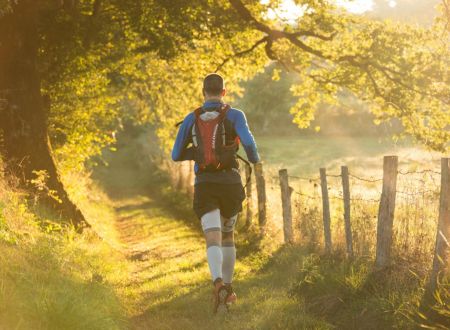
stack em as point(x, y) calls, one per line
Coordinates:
point(165, 254)
point(160, 237)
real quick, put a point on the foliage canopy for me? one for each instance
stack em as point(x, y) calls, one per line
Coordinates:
point(105, 62)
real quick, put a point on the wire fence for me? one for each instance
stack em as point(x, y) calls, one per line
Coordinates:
point(415, 218)
point(401, 213)
point(416, 214)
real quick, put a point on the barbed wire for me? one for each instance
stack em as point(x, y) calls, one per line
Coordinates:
point(361, 178)
point(364, 179)
point(317, 180)
point(304, 178)
point(371, 180)
point(418, 172)
point(335, 197)
point(420, 192)
point(307, 196)
point(371, 200)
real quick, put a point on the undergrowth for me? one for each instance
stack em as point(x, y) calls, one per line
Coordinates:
point(50, 276)
point(350, 294)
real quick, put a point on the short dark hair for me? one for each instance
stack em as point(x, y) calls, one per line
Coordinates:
point(213, 84)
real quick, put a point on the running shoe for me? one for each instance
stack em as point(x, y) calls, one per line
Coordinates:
point(220, 296)
point(231, 297)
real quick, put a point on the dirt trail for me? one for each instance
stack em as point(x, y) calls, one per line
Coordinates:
point(169, 286)
point(169, 282)
point(168, 275)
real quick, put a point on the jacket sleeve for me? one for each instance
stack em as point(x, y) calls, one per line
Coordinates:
point(246, 137)
point(179, 150)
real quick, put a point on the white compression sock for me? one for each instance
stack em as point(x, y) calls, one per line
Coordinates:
point(215, 260)
point(229, 259)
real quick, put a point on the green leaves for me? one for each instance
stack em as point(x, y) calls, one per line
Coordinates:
point(107, 62)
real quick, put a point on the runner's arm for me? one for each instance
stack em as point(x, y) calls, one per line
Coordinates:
point(246, 137)
point(179, 150)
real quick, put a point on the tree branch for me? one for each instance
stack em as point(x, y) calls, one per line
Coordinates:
point(306, 33)
point(247, 15)
point(357, 61)
point(242, 53)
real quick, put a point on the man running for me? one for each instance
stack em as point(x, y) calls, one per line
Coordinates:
point(211, 135)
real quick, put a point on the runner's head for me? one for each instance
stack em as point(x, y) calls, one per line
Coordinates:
point(213, 86)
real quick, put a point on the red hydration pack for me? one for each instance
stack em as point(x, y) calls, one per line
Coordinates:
point(214, 147)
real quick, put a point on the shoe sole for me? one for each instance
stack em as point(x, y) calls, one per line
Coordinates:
point(222, 306)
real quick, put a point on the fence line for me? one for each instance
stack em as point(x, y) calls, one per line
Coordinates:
point(391, 193)
point(248, 194)
point(386, 211)
point(286, 204)
point(347, 199)
point(325, 210)
point(442, 249)
point(261, 192)
point(414, 204)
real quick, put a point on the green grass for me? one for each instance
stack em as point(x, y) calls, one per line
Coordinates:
point(170, 286)
point(149, 270)
point(59, 281)
point(53, 278)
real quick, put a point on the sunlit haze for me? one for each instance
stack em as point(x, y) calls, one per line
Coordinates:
point(290, 11)
point(392, 3)
point(356, 6)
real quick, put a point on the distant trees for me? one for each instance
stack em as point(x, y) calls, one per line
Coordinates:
point(268, 99)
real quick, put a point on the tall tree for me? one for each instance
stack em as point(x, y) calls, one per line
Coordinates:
point(99, 62)
point(25, 110)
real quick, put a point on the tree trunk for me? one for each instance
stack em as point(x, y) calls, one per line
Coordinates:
point(23, 112)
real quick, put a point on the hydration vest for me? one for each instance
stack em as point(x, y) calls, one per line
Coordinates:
point(214, 140)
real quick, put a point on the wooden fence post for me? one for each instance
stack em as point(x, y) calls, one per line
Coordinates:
point(190, 179)
point(248, 194)
point(346, 196)
point(325, 210)
point(261, 192)
point(180, 176)
point(386, 211)
point(286, 204)
point(442, 248)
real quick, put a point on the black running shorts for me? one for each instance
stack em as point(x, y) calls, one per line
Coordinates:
point(227, 198)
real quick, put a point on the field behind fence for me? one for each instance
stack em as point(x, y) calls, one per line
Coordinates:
point(402, 214)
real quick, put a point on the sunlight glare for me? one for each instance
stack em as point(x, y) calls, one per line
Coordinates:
point(356, 6)
point(290, 12)
point(392, 3)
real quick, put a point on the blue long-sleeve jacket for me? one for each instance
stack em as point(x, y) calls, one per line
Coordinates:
point(235, 116)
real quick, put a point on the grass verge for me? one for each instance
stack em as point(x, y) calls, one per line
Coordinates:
point(53, 278)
